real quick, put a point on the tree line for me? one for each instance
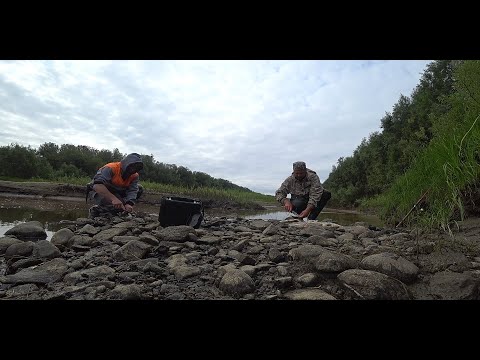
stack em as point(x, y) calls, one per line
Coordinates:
point(51, 161)
point(428, 151)
point(379, 160)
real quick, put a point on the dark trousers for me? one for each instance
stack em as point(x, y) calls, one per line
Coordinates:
point(99, 200)
point(300, 203)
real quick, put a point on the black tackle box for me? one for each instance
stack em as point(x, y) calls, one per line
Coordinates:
point(176, 211)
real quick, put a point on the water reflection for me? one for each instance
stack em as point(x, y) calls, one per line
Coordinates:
point(11, 216)
point(341, 218)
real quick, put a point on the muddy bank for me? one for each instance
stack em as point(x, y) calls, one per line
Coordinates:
point(33, 191)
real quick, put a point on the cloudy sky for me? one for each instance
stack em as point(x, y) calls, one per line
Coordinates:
point(243, 121)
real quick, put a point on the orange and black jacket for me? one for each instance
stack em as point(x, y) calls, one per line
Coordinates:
point(117, 181)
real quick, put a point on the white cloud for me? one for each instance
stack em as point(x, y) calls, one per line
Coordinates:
point(243, 121)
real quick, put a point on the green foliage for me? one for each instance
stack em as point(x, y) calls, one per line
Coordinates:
point(18, 161)
point(240, 196)
point(69, 162)
point(406, 132)
point(449, 168)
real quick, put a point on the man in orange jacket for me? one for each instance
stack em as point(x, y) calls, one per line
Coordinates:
point(115, 186)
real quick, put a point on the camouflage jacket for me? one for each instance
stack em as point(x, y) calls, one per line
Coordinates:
point(310, 187)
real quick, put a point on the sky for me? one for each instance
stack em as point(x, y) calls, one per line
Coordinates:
point(244, 121)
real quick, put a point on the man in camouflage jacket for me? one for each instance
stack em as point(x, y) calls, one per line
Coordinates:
point(308, 197)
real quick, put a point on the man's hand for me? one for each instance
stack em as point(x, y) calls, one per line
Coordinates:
point(128, 207)
point(288, 205)
point(306, 212)
point(117, 204)
point(103, 191)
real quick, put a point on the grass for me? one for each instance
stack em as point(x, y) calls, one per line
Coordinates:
point(241, 197)
point(445, 170)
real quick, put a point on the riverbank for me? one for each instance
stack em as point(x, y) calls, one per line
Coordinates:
point(229, 257)
point(133, 257)
point(32, 191)
point(47, 196)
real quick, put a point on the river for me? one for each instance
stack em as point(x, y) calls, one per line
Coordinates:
point(20, 209)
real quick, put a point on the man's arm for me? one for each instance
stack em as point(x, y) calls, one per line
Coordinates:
point(316, 191)
point(281, 194)
point(101, 178)
point(104, 192)
point(131, 195)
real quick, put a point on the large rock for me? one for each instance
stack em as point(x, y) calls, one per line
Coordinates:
point(23, 249)
point(96, 273)
point(392, 265)
point(133, 250)
point(454, 286)
point(371, 285)
point(176, 233)
point(6, 241)
point(62, 238)
point(31, 230)
point(46, 273)
point(46, 250)
point(236, 283)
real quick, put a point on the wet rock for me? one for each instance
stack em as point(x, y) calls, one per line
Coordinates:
point(23, 263)
point(184, 271)
point(306, 280)
point(149, 239)
point(133, 250)
point(454, 286)
point(88, 230)
point(237, 283)
point(209, 240)
point(176, 233)
point(62, 238)
point(259, 224)
point(6, 241)
point(443, 260)
point(392, 265)
point(21, 290)
point(127, 292)
point(239, 246)
point(283, 282)
point(305, 252)
point(308, 294)
point(322, 241)
point(19, 250)
point(30, 230)
point(46, 250)
point(109, 234)
point(371, 285)
point(95, 273)
point(82, 240)
point(45, 273)
point(275, 255)
point(333, 262)
point(124, 239)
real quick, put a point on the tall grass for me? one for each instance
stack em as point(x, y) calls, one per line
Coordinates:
point(448, 169)
point(205, 193)
point(445, 170)
point(239, 196)
point(61, 179)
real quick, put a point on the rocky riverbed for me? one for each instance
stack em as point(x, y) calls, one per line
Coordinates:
point(134, 257)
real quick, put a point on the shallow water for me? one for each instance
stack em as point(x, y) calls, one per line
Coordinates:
point(341, 218)
point(50, 212)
